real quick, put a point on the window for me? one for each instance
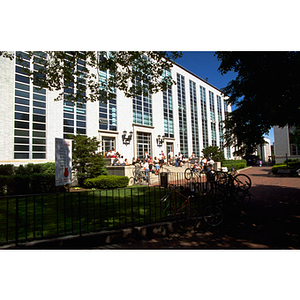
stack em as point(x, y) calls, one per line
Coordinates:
point(194, 119)
point(182, 115)
point(30, 115)
point(204, 116)
point(168, 109)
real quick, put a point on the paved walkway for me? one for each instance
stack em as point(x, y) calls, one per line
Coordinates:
point(271, 221)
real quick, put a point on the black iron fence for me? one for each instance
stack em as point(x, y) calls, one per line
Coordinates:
point(25, 218)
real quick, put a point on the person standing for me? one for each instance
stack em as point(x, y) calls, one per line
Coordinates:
point(146, 169)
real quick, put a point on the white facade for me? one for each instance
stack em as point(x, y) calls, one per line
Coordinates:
point(265, 150)
point(31, 120)
point(282, 145)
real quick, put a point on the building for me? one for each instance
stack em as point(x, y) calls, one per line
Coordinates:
point(186, 118)
point(265, 151)
point(283, 144)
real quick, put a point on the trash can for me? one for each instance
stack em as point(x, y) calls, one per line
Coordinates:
point(164, 179)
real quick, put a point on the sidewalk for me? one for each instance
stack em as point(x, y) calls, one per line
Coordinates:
point(271, 221)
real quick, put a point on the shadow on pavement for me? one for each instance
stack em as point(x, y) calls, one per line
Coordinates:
point(270, 221)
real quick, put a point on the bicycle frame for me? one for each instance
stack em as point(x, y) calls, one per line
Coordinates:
point(176, 209)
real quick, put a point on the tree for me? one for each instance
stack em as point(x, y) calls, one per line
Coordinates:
point(86, 162)
point(133, 72)
point(265, 92)
point(213, 152)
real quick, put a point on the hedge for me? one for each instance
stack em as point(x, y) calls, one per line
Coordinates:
point(237, 164)
point(107, 182)
point(291, 165)
point(27, 184)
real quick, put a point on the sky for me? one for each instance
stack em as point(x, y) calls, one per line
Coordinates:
point(205, 65)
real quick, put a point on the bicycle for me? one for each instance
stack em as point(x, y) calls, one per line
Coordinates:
point(191, 173)
point(139, 177)
point(240, 181)
point(184, 208)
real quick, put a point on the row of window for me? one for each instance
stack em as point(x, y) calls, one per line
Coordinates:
point(30, 110)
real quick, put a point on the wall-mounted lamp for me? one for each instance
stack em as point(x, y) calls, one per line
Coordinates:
point(127, 139)
point(160, 140)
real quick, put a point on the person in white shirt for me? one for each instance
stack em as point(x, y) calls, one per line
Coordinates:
point(211, 162)
point(146, 168)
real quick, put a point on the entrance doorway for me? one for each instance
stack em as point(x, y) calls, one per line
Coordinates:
point(143, 144)
point(108, 143)
point(170, 147)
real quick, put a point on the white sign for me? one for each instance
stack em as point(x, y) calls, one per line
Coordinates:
point(63, 161)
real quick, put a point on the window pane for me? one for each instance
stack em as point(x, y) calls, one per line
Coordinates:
point(38, 126)
point(21, 147)
point(39, 134)
point(21, 140)
point(22, 101)
point(21, 108)
point(22, 78)
point(22, 94)
point(22, 86)
point(39, 148)
point(39, 141)
point(39, 104)
point(21, 132)
point(39, 97)
point(24, 125)
point(20, 116)
point(38, 118)
point(39, 155)
point(39, 111)
point(21, 155)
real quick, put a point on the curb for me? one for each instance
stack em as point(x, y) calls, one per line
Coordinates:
point(90, 240)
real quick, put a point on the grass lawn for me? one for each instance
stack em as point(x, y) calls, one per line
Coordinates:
point(71, 213)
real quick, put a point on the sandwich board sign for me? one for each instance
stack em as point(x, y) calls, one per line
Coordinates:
point(63, 161)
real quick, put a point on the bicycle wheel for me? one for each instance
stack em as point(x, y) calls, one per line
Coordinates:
point(242, 181)
point(188, 173)
point(132, 181)
point(212, 215)
point(190, 219)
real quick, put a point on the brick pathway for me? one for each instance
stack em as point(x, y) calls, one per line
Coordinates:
point(271, 221)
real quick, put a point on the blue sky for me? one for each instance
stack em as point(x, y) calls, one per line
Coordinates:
point(205, 65)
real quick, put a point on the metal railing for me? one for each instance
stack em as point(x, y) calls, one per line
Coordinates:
point(25, 218)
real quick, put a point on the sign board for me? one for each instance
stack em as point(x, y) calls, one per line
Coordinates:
point(63, 161)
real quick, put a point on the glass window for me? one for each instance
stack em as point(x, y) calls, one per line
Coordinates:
point(39, 133)
point(20, 116)
point(22, 78)
point(38, 141)
point(21, 108)
point(39, 111)
point(39, 148)
point(39, 104)
point(68, 122)
point(22, 101)
point(19, 124)
point(21, 155)
point(39, 155)
point(68, 116)
point(39, 126)
point(38, 118)
point(22, 94)
point(21, 140)
point(39, 97)
point(21, 148)
point(22, 86)
point(40, 91)
point(21, 132)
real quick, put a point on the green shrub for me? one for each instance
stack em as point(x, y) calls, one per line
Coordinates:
point(292, 165)
point(237, 164)
point(107, 182)
point(7, 169)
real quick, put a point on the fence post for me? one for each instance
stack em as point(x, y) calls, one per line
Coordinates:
point(17, 220)
point(79, 213)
